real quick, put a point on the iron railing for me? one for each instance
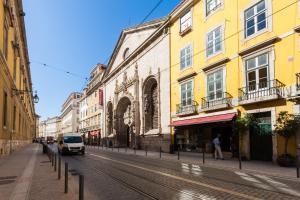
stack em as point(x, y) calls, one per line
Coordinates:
point(216, 100)
point(186, 109)
point(298, 81)
point(262, 89)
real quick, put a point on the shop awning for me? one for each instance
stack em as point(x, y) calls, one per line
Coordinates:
point(204, 120)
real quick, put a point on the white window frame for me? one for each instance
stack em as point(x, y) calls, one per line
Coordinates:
point(269, 26)
point(188, 21)
point(191, 57)
point(215, 9)
point(223, 83)
point(271, 53)
point(212, 31)
point(192, 93)
point(256, 69)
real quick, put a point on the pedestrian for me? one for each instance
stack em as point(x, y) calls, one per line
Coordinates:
point(218, 151)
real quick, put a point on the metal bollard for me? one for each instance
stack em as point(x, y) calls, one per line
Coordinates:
point(134, 151)
point(178, 156)
point(203, 156)
point(66, 177)
point(118, 148)
point(159, 152)
point(297, 166)
point(52, 159)
point(126, 149)
point(55, 162)
point(59, 167)
point(146, 150)
point(102, 145)
point(112, 147)
point(81, 187)
point(240, 161)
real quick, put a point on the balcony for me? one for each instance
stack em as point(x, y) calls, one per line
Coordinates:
point(260, 92)
point(182, 110)
point(216, 102)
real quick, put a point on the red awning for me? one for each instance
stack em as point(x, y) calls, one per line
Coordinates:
point(204, 120)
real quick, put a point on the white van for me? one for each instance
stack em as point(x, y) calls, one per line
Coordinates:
point(70, 143)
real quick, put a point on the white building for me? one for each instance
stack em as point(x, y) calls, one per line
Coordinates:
point(70, 113)
point(137, 93)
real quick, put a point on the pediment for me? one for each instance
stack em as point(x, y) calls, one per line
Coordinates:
point(129, 40)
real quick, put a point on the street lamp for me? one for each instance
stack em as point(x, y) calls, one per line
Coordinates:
point(18, 92)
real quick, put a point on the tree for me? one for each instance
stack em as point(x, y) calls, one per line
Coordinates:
point(286, 126)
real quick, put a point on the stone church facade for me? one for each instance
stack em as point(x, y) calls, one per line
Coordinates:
point(137, 90)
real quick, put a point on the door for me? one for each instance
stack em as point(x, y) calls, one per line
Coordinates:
point(261, 145)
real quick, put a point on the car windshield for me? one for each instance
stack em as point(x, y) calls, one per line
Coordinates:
point(72, 139)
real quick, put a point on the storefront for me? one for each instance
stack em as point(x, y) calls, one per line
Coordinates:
point(194, 134)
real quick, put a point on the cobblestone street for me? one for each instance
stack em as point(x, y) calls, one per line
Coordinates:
point(113, 175)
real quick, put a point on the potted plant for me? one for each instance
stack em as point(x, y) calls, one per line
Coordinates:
point(286, 126)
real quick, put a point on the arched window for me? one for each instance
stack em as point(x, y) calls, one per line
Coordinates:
point(126, 53)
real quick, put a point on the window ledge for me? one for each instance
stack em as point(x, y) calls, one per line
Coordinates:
point(254, 35)
point(186, 31)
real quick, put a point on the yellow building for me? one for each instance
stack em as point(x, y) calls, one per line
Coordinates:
point(17, 114)
point(229, 58)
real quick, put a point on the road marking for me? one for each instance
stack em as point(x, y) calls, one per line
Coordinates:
point(181, 179)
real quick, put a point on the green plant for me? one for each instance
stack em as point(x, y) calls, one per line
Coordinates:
point(286, 126)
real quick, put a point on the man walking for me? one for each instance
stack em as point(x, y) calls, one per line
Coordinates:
point(218, 151)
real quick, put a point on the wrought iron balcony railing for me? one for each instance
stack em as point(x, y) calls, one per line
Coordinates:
point(298, 81)
point(262, 89)
point(183, 109)
point(216, 100)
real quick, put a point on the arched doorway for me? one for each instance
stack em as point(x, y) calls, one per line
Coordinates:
point(150, 103)
point(124, 118)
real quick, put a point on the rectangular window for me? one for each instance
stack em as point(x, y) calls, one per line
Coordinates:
point(186, 93)
point(215, 85)
point(186, 57)
point(214, 42)
point(186, 21)
point(14, 118)
point(212, 5)
point(257, 72)
point(5, 40)
point(255, 19)
point(5, 104)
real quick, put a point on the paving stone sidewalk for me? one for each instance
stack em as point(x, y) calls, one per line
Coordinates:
point(258, 167)
point(27, 174)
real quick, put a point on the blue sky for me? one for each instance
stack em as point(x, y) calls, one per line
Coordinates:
point(74, 35)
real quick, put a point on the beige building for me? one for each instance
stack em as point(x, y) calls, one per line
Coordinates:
point(70, 114)
point(91, 106)
point(52, 127)
point(17, 112)
point(42, 129)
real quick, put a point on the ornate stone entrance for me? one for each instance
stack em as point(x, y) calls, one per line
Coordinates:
point(124, 120)
point(150, 104)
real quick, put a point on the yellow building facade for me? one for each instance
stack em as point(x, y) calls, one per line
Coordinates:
point(229, 58)
point(17, 114)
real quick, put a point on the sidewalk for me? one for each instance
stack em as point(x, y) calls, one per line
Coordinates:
point(257, 167)
point(27, 174)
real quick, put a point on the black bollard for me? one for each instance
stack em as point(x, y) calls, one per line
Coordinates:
point(159, 152)
point(240, 161)
point(178, 156)
point(118, 148)
point(297, 166)
point(134, 151)
point(55, 162)
point(81, 187)
point(66, 177)
point(126, 149)
point(203, 156)
point(146, 150)
point(59, 167)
